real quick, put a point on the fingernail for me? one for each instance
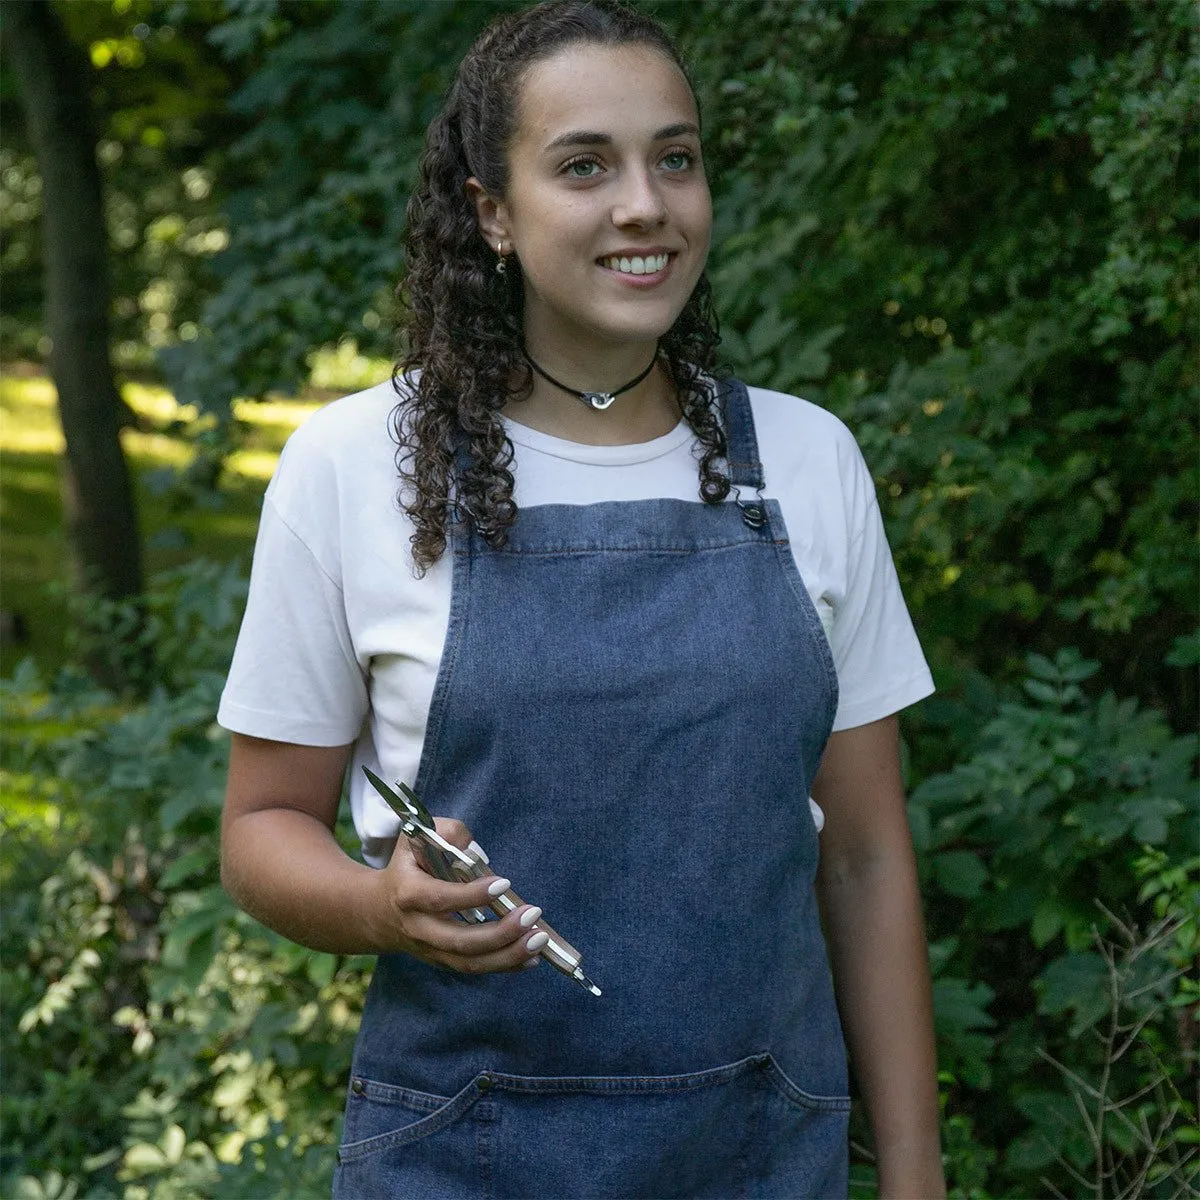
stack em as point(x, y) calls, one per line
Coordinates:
point(529, 916)
point(499, 886)
point(477, 850)
point(532, 962)
point(536, 942)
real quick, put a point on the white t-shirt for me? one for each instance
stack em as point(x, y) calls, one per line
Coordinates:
point(341, 642)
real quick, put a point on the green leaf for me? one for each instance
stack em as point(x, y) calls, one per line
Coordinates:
point(1043, 693)
point(321, 968)
point(961, 873)
point(1185, 651)
point(142, 1158)
point(1078, 983)
point(1047, 922)
point(769, 332)
point(195, 862)
point(959, 1005)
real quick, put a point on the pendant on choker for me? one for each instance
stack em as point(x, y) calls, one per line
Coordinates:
point(598, 400)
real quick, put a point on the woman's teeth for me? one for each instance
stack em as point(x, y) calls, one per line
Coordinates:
point(636, 265)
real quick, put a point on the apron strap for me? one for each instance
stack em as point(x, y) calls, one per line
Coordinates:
point(745, 467)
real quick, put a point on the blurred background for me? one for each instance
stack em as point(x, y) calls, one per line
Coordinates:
point(969, 229)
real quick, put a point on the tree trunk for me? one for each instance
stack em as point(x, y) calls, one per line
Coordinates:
point(54, 80)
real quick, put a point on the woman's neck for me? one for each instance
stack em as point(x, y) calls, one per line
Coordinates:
point(647, 410)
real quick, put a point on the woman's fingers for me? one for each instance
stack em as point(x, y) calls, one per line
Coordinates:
point(455, 832)
point(462, 940)
point(504, 945)
point(423, 911)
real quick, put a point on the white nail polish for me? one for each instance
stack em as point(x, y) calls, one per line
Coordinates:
point(529, 916)
point(536, 942)
point(532, 962)
point(477, 850)
point(499, 886)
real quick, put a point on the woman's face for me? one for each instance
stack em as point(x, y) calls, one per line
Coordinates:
point(607, 207)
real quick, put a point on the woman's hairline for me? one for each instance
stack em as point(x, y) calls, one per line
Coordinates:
point(583, 39)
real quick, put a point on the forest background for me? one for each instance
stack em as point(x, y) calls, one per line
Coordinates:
point(969, 229)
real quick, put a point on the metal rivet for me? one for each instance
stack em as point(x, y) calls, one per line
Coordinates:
point(483, 1082)
point(357, 1087)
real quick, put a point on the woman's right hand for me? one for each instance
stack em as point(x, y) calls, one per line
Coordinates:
point(415, 913)
point(281, 862)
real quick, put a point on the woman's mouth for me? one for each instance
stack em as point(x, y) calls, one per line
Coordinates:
point(641, 267)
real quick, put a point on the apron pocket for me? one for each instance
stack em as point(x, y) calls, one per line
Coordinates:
point(705, 1134)
point(380, 1116)
point(796, 1095)
point(740, 1130)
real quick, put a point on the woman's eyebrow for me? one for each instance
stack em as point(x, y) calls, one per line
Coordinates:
point(587, 137)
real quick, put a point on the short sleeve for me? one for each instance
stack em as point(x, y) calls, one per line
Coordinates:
point(879, 662)
point(294, 675)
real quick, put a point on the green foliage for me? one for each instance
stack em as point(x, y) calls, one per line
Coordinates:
point(1068, 809)
point(969, 229)
point(222, 1048)
point(336, 112)
point(162, 133)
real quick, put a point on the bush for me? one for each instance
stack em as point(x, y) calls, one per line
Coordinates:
point(158, 1043)
point(1069, 811)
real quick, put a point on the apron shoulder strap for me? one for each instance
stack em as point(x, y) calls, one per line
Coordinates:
point(745, 467)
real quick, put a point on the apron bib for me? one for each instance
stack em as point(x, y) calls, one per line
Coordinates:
point(632, 702)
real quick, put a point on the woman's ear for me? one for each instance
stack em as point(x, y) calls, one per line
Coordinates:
point(489, 213)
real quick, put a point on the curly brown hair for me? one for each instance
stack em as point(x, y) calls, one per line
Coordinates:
point(464, 321)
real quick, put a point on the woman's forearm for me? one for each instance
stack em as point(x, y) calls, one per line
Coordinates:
point(872, 913)
point(282, 864)
point(286, 869)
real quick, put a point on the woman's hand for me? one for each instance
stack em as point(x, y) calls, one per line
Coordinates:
point(282, 864)
point(414, 912)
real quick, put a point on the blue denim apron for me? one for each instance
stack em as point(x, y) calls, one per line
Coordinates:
point(632, 702)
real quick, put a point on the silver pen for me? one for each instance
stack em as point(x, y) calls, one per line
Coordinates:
point(447, 861)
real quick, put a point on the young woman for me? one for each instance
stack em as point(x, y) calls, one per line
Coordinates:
point(614, 623)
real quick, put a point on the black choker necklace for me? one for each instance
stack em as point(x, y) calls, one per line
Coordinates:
point(597, 400)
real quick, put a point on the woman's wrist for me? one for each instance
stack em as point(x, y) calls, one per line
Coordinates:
point(912, 1169)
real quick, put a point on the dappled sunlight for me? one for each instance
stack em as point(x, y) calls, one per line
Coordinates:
point(33, 542)
point(154, 449)
point(25, 796)
point(288, 413)
point(29, 426)
point(252, 464)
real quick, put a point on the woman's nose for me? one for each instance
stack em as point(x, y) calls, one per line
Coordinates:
point(640, 202)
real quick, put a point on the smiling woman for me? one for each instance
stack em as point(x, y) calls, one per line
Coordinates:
point(599, 609)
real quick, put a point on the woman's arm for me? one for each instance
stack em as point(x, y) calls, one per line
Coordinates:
point(871, 908)
point(282, 864)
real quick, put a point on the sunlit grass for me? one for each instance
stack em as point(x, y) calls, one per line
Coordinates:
point(25, 796)
point(34, 559)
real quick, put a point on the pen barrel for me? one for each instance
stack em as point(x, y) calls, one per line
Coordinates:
point(558, 952)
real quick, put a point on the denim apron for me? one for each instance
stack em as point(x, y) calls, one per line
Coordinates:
point(632, 702)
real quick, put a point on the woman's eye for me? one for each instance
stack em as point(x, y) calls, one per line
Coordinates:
point(677, 160)
point(582, 168)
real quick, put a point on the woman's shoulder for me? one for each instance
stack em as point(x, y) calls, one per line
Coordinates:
point(793, 415)
point(794, 433)
point(342, 456)
point(346, 426)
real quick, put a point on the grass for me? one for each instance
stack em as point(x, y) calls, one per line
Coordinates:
point(34, 555)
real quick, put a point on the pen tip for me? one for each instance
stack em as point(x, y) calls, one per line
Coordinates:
point(586, 982)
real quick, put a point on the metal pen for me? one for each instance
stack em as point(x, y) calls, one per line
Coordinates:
point(446, 861)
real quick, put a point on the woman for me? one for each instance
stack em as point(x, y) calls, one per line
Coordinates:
point(598, 612)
